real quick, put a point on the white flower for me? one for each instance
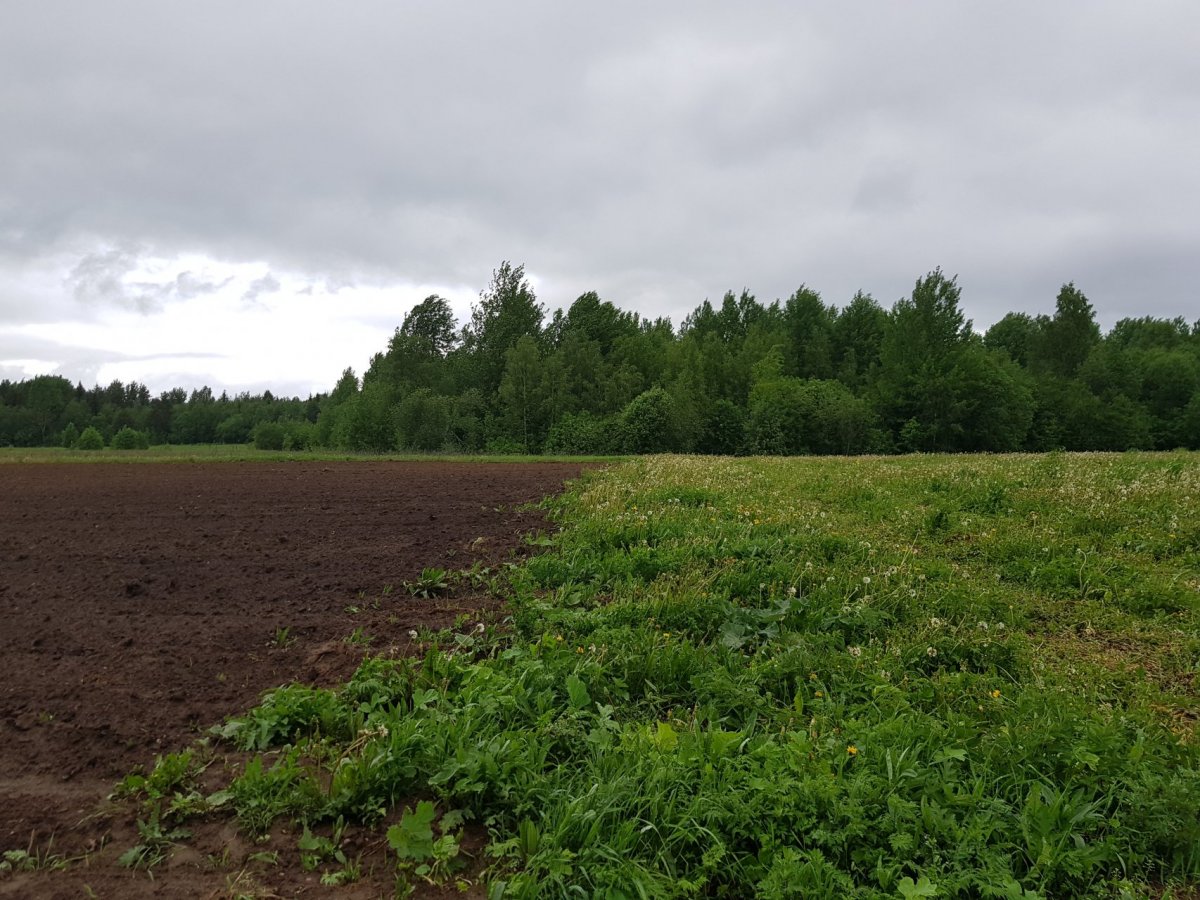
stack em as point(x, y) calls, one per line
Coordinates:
point(854, 651)
point(412, 634)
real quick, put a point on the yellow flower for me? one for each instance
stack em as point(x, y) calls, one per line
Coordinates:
point(578, 649)
point(558, 637)
point(995, 695)
point(852, 750)
point(818, 694)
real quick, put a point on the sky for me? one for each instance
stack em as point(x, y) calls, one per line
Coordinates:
point(252, 195)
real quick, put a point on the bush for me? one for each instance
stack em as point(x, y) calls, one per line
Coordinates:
point(91, 439)
point(798, 416)
point(269, 436)
point(299, 434)
point(70, 436)
point(582, 434)
point(648, 424)
point(130, 439)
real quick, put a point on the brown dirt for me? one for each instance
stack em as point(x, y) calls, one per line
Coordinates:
point(142, 604)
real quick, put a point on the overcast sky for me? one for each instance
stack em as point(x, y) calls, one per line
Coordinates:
point(252, 194)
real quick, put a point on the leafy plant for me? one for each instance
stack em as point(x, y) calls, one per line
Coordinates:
point(432, 583)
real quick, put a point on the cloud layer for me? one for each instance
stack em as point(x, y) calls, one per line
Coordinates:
point(659, 155)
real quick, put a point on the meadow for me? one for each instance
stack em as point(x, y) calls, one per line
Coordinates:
point(923, 676)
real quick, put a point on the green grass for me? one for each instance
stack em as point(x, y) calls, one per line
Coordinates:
point(874, 678)
point(247, 453)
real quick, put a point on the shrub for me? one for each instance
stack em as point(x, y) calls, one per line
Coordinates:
point(91, 439)
point(269, 436)
point(648, 424)
point(70, 436)
point(130, 439)
point(581, 434)
point(299, 434)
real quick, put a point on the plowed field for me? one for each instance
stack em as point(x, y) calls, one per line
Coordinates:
point(141, 604)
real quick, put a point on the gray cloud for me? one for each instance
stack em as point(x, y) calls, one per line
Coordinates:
point(103, 277)
point(268, 284)
point(659, 154)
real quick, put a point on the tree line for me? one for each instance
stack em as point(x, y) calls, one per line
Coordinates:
point(789, 377)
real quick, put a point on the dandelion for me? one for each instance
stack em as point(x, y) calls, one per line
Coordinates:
point(996, 695)
point(866, 579)
point(852, 750)
point(935, 622)
point(558, 637)
point(818, 694)
point(931, 651)
point(855, 651)
point(812, 676)
point(578, 649)
point(412, 633)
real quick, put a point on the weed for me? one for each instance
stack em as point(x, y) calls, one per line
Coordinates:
point(432, 583)
point(156, 841)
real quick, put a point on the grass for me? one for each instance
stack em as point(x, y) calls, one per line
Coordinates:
point(872, 678)
point(247, 453)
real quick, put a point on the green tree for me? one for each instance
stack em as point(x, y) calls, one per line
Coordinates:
point(792, 416)
point(424, 420)
point(915, 388)
point(47, 397)
point(507, 311)
point(809, 324)
point(1069, 337)
point(857, 339)
point(523, 393)
point(1015, 334)
point(648, 423)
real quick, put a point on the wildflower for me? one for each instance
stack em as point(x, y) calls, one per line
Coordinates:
point(558, 637)
point(931, 651)
point(578, 649)
point(866, 579)
point(412, 633)
point(818, 693)
point(666, 634)
point(812, 676)
point(852, 750)
point(854, 651)
point(935, 622)
point(996, 695)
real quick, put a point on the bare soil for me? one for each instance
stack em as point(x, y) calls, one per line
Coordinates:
point(141, 604)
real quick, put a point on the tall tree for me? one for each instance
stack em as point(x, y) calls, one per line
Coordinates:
point(522, 393)
point(507, 311)
point(1069, 336)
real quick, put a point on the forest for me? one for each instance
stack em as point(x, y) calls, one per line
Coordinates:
point(799, 376)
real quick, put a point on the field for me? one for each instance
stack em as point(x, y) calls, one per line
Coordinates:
point(964, 676)
point(143, 603)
